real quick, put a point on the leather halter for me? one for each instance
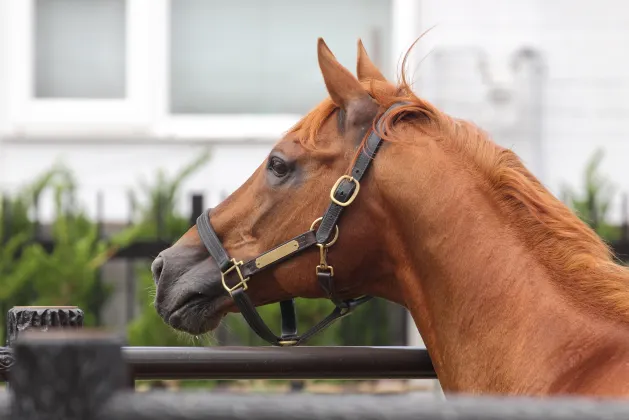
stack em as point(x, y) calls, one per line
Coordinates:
point(235, 275)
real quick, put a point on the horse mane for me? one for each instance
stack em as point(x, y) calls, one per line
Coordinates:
point(577, 259)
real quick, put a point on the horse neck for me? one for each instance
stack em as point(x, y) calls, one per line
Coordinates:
point(487, 310)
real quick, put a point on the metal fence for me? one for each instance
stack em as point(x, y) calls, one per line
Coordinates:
point(82, 375)
point(342, 362)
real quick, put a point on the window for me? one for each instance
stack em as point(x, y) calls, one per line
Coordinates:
point(80, 67)
point(79, 49)
point(259, 56)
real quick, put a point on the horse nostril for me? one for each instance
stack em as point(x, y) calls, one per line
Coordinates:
point(156, 268)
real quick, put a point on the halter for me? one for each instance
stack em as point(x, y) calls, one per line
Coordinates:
point(235, 275)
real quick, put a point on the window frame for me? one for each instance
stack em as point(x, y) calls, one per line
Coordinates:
point(31, 115)
point(221, 127)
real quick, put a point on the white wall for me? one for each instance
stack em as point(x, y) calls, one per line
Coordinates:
point(4, 35)
point(112, 170)
point(584, 45)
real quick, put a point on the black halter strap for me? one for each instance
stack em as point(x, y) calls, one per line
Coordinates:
point(235, 275)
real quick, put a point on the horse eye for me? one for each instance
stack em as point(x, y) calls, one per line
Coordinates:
point(278, 166)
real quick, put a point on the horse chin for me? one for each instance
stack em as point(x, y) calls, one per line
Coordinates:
point(199, 314)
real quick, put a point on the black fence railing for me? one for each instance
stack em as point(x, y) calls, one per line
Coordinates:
point(301, 363)
point(321, 362)
point(83, 375)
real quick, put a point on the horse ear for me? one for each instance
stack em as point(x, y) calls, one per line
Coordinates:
point(365, 68)
point(343, 87)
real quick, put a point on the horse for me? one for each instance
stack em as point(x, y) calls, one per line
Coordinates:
point(377, 192)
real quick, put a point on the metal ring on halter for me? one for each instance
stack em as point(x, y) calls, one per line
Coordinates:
point(336, 233)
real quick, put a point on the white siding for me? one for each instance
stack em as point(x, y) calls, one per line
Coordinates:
point(101, 167)
point(587, 62)
point(4, 83)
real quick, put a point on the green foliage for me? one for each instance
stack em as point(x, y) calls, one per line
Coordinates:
point(158, 203)
point(148, 329)
point(66, 276)
point(15, 209)
point(155, 210)
point(593, 205)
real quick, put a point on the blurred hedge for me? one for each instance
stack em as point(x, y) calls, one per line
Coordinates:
point(593, 203)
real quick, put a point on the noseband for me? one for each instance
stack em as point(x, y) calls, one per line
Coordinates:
point(235, 275)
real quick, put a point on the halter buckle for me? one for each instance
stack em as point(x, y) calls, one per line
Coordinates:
point(327, 268)
point(351, 199)
point(243, 281)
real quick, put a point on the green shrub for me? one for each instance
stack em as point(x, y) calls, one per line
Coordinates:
point(158, 201)
point(593, 204)
point(66, 276)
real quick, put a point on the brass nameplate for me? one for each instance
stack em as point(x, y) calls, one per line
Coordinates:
point(279, 252)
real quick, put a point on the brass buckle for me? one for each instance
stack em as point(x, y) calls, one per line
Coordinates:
point(321, 268)
point(351, 199)
point(287, 343)
point(243, 281)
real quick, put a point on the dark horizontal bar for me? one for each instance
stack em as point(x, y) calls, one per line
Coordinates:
point(279, 363)
point(164, 405)
point(142, 249)
point(136, 250)
point(621, 250)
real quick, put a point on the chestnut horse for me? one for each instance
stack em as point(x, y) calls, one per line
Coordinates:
point(511, 292)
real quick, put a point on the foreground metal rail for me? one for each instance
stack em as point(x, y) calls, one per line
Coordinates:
point(232, 362)
point(82, 375)
point(278, 363)
point(205, 406)
point(273, 363)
